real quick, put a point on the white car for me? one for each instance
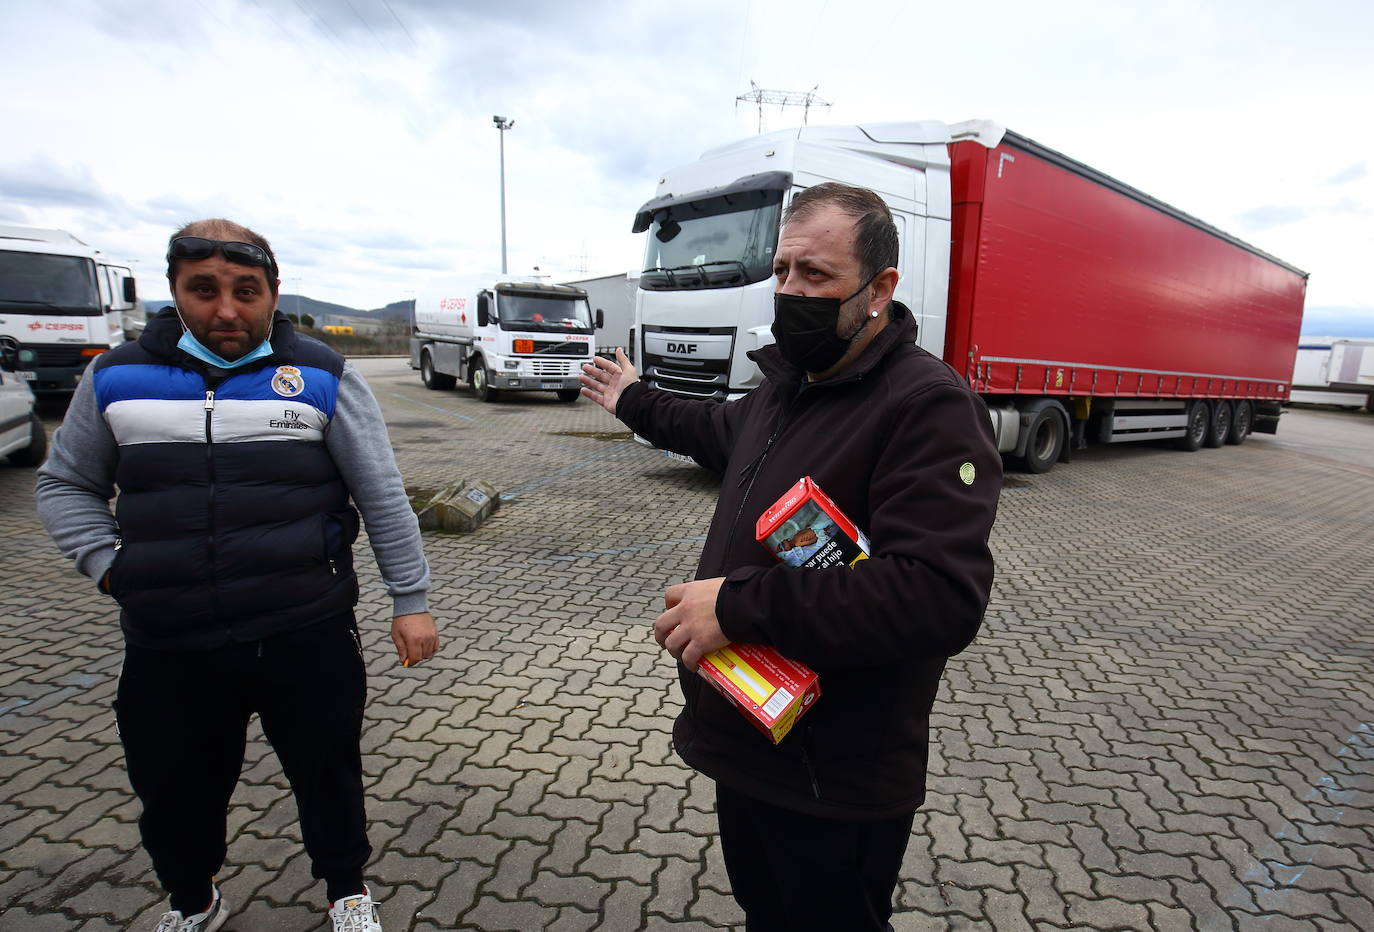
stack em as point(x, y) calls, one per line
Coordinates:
point(22, 437)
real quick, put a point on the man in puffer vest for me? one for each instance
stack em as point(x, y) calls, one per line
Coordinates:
point(238, 449)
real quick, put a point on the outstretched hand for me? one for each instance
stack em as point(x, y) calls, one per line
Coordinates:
point(603, 379)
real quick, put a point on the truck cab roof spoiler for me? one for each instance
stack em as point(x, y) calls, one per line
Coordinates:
point(539, 288)
point(763, 181)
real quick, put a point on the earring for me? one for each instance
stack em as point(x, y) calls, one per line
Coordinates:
point(872, 313)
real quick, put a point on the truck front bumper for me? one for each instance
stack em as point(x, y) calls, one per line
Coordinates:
point(532, 383)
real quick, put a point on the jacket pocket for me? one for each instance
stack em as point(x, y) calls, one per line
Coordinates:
point(112, 578)
point(339, 529)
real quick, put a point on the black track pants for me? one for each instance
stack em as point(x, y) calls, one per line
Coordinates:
point(791, 872)
point(183, 718)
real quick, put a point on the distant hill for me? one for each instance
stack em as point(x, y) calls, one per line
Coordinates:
point(300, 304)
point(396, 310)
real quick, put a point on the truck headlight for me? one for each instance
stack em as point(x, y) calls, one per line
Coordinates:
point(512, 364)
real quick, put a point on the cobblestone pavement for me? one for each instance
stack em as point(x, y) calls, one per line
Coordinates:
point(1166, 724)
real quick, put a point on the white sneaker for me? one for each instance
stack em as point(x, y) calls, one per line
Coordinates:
point(355, 913)
point(208, 921)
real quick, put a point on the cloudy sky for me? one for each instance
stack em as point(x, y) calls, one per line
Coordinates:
point(357, 134)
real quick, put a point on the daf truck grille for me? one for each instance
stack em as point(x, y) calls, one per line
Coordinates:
point(707, 378)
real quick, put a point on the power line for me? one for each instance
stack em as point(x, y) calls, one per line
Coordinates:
point(386, 4)
point(375, 38)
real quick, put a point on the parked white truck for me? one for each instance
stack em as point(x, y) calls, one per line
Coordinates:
point(506, 336)
point(614, 297)
point(63, 300)
point(1318, 369)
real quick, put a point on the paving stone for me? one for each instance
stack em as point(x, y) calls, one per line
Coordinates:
point(1042, 903)
point(624, 908)
point(499, 916)
point(573, 919)
point(104, 898)
point(1292, 902)
point(1007, 912)
point(1272, 922)
point(552, 889)
point(1108, 913)
point(976, 874)
point(627, 865)
point(674, 888)
point(456, 894)
point(716, 908)
point(570, 847)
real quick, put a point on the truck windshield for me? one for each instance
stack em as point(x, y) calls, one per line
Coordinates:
point(35, 283)
point(545, 312)
point(713, 243)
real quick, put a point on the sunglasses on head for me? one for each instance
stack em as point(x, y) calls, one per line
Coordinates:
point(198, 247)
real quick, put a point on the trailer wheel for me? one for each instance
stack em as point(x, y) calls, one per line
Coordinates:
point(481, 381)
point(569, 395)
point(434, 381)
point(1219, 426)
point(32, 455)
point(1044, 440)
point(1198, 426)
point(1240, 423)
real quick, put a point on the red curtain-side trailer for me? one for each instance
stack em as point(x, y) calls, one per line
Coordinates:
point(1070, 286)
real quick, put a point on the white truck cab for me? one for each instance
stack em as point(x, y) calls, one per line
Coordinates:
point(706, 292)
point(62, 300)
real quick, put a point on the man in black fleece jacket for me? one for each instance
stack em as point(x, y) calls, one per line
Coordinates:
point(813, 829)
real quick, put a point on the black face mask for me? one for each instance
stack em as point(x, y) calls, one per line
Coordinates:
point(804, 329)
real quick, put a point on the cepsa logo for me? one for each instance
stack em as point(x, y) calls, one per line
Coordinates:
point(452, 304)
point(39, 325)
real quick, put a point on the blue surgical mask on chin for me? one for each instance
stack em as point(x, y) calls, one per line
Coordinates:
point(193, 347)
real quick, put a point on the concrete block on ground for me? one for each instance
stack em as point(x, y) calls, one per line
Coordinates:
point(459, 509)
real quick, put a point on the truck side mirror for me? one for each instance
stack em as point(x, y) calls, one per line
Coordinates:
point(130, 291)
point(600, 318)
point(483, 310)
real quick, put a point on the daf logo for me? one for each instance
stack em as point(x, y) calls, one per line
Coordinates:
point(685, 348)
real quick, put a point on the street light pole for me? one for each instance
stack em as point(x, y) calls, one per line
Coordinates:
point(502, 124)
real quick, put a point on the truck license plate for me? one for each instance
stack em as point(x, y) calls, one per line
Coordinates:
point(550, 384)
point(27, 376)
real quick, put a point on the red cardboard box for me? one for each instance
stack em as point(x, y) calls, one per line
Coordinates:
point(805, 528)
point(769, 689)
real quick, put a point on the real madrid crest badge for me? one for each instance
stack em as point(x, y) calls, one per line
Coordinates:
point(287, 381)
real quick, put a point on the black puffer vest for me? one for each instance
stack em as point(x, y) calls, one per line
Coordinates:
point(234, 521)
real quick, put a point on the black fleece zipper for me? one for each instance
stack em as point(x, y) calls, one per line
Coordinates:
point(751, 471)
